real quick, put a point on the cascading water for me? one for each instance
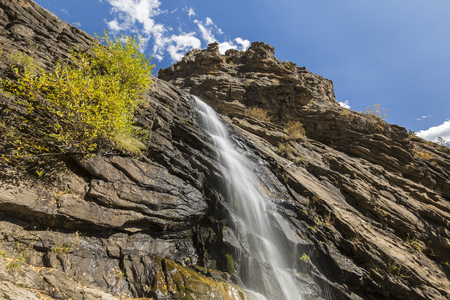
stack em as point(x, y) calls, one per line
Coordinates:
point(254, 215)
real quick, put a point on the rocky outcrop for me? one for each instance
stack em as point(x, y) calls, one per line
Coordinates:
point(232, 82)
point(371, 200)
point(27, 28)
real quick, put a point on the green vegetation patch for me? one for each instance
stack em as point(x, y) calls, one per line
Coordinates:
point(230, 262)
point(377, 112)
point(294, 130)
point(83, 106)
point(284, 149)
point(304, 257)
point(257, 113)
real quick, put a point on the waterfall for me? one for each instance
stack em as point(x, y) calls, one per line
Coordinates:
point(254, 215)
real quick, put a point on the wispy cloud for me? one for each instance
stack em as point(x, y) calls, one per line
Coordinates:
point(138, 17)
point(345, 104)
point(423, 117)
point(207, 29)
point(76, 24)
point(432, 133)
point(64, 11)
point(206, 32)
point(191, 12)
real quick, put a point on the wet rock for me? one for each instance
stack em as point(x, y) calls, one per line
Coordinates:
point(371, 201)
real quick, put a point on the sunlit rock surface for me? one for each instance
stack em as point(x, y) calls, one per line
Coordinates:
point(372, 200)
point(370, 214)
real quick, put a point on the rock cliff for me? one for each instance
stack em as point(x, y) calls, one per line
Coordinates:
point(372, 200)
point(369, 204)
point(114, 226)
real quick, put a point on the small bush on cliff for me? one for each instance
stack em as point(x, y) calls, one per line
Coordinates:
point(423, 155)
point(295, 130)
point(410, 240)
point(412, 134)
point(442, 142)
point(23, 62)
point(287, 64)
point(86, 105)
point(299, 160)
point(377, 112)
point(304, 257)
point(284, 149)
point(257, 113)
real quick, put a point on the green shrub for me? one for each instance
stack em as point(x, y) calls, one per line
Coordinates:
point(88, 104)
point(248, 82)
point(348, 114)
point(411, 240)
point(257, 113)
point(295, 130)
point(423, 155)
point(286, 64)
point(304, 257)
point(26, 63)
point(284, 149)
point(18, 262)
point(440, 141)
point(377, 112)
point(299, 160)
point(315, 199)
point(412, 133)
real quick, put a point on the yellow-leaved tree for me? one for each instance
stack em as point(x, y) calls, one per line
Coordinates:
point(86, 105)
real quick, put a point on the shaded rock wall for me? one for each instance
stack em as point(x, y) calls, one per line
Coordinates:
point(113, 226)
point(28, 28)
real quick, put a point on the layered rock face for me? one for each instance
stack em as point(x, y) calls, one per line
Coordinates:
point(113, 226)
point(372, 200)
point(369, 205)
point(240, 79)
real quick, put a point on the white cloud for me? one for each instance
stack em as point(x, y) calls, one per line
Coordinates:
point(423, 117)
point(432, 133)
point(244, 43)
point(76, 24)
point(224, 46)
point(174, 10)
point(206, 32)
point(63, 10)
point(138, 18)
point(209, 22)
point(113, 25)
point(180, 44)
point(191, 12)
point(131, 13)
point(207, 35)
point(345, 104)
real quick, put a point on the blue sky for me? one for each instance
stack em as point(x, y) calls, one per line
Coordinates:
point(395, 53)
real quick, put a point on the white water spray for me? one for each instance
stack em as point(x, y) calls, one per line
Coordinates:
point(254, 214)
